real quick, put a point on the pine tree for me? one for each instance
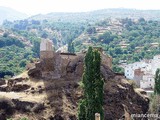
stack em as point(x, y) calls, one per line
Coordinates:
point(157, 82)
point(93, 87)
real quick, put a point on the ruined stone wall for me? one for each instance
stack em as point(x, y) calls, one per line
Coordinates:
point(107, 60)
point(46, 55)
point(70, 57)
point(53, 67)
point(56, 65)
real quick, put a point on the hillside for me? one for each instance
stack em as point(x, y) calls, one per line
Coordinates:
point(49, 90)
point(34, 97)
point(128, 40)
point(15, 52)
point(10, 14)
point(93, 16)
point(125, 34)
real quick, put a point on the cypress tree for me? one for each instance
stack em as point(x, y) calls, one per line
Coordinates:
point(88, 82)
point(71, 47)
point(157, 82)
point(98, 85)
point(93, 87)
point(82, 109)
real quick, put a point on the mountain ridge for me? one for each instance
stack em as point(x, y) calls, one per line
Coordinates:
point(10, 14)
point(99, 14)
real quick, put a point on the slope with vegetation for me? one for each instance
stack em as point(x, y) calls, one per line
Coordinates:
point(125, 39)
point(15, 53)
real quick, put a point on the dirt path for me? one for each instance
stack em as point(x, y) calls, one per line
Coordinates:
point(24, 97)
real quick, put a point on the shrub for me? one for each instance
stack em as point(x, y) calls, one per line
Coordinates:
point(24, 118)
point(6, 105)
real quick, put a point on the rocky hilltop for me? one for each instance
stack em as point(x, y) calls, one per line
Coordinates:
point(51, 89)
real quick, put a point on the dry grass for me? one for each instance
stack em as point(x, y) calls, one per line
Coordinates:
point(132, 82)
point(23, 75)
point(24, 97)
point(154, 104)
point(139, 91)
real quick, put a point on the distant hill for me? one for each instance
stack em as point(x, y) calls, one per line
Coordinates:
point(99, 15)
point(10, 14)
point(122, 38)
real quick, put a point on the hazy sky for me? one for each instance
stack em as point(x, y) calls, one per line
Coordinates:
point(32, 7)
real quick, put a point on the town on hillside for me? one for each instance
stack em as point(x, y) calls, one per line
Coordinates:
point(142, 72)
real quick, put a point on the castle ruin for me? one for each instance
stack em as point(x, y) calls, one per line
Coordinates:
point(55, 65)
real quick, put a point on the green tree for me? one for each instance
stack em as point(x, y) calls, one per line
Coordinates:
point(88, 80)
point(82, 110)
point(93, 87)
point(71, 47)
point(98, 85)
point(36, 47)
point(23, 63)
point(157, 82)
point(44, 35)
point(91, 30)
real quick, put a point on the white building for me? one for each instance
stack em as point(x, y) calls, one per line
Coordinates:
point(155, 63)
point(147, 81)
point(130, 68)
point(143, 72)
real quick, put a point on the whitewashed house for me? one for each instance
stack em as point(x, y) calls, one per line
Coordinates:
point(143, 72)
point(155, 63)
point(130, 68)
point(147, 81)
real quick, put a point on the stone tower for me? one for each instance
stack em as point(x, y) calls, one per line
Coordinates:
point(46, 49)
point(51, 62)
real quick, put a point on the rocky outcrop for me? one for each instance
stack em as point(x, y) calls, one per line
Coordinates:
point(61, 98)
point(120, 97)
point(120, 101)
point(2, 82)
point(54, 90)
point(9, 107)
point(106, 72)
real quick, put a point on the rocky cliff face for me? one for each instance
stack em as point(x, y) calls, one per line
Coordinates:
point(57, 98)
point(121, 100)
